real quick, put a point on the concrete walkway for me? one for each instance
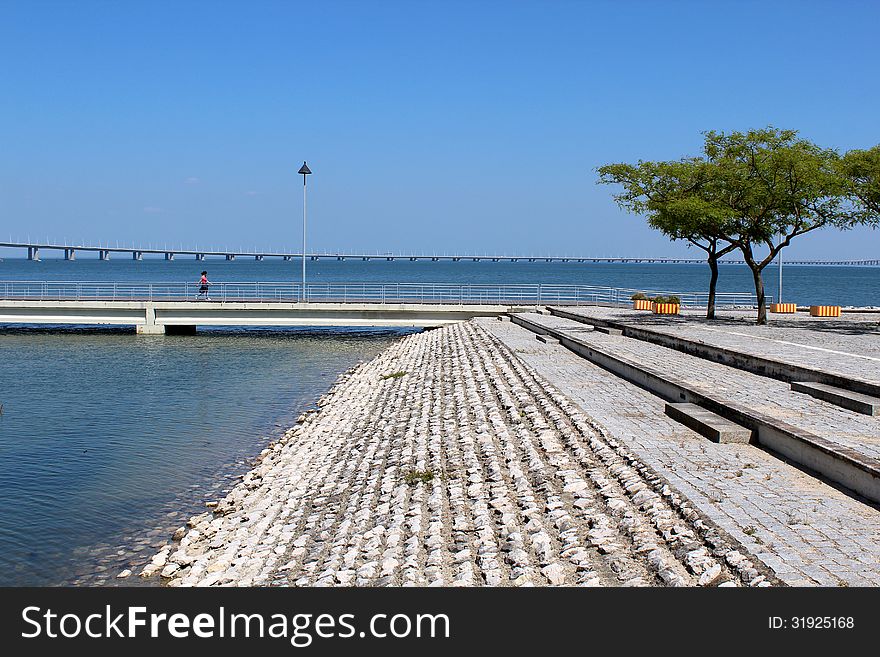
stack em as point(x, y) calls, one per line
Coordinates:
point(807, 531)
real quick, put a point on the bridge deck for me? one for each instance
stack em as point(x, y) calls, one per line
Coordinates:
point(33, 249)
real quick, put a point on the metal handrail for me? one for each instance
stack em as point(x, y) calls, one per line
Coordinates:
point(356, 292)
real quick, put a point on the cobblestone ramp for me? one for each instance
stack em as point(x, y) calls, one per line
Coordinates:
point(466, 468)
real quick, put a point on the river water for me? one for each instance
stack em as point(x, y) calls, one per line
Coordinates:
point(804, 285)
point(110, 441)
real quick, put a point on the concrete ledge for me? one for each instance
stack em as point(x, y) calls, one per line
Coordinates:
point(839, 464)
point(546, 339)
point(775, 369)
point(608, 330)
point(853, 401)
point(714, 427)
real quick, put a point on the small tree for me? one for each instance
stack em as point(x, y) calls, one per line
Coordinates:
point(771, 182)
point(675, 198)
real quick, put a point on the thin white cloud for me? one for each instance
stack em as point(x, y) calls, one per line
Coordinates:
point(252, 193)
point(153, 210)
point(192, 180)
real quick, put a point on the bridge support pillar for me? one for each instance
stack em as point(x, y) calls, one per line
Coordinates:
point(103, 254)
point(230, 256)
point(169, 255)
point(200, 256)
point(137, 255)
point(258, 258)
point(287, 258)
point(33, 253)
point(150, 327)
point(70, 254)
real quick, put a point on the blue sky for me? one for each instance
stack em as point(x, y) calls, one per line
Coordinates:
point(430, 126)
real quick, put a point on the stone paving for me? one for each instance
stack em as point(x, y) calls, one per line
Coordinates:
point(807, 531)
point(771, 397)
point(447, 460)
point(848, 346)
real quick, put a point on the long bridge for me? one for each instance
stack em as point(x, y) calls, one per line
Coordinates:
point(137, 253)
point(159, 308)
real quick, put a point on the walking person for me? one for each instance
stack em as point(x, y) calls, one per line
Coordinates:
point(203, 287)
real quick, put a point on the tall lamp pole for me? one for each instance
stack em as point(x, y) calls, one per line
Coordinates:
point(305, 171)
point(779, 255)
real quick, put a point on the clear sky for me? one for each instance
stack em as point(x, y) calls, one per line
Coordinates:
point(430, 126)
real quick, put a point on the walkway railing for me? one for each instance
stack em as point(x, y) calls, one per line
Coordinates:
point(439, 293)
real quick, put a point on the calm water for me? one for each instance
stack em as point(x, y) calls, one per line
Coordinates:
point(108, 441)
point(803, 284)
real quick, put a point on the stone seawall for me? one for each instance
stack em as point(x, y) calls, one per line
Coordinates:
point(448, 461)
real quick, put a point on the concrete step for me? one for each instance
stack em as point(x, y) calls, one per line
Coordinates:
point(609, 330)
point(761, 365)
point(840, 464)
point(854, 401)
point(547, 339)
point(706, 423)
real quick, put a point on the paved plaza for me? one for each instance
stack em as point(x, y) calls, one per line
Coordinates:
point(848, 345)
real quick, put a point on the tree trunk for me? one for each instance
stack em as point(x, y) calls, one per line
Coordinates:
point(757, 273)
point(713, 281)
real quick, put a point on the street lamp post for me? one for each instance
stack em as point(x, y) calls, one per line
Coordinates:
point(305, 171)
point(779, 255)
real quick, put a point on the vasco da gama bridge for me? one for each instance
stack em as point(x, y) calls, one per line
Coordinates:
point(137, 253)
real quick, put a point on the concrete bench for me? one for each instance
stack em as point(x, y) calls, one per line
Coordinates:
point(708, 424)
point(854, 401)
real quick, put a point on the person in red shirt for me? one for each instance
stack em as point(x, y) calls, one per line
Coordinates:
point(203, 287)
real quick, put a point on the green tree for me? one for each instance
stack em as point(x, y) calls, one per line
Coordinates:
point(675, 197)
point(862, 171)
point(771, 182)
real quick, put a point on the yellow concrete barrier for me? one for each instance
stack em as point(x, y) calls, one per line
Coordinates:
point(786, 308)
point(825, 311)
point(643, 304)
